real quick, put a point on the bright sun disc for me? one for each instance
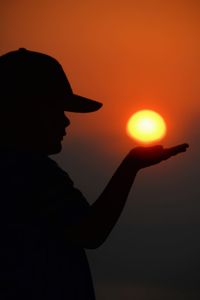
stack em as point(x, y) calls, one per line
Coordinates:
point(146, 126)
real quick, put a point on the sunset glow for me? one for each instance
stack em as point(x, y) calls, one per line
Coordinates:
point(146, 126)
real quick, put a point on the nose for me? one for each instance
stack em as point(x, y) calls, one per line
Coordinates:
point(66, 121)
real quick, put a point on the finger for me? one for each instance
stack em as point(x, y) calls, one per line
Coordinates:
point(179, 148)
point(175, 150)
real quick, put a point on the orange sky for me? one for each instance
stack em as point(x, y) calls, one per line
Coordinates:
point(127, 54)
point(130, 55)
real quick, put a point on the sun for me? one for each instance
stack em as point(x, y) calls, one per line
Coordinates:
point(146, 126)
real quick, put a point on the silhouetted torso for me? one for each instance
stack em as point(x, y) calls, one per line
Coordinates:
point(37, 201)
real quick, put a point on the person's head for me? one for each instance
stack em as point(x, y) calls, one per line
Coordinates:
point(34, 94)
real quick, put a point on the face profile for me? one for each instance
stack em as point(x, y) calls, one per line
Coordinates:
point(40, 130)
point(35, 93)
point(54, 125)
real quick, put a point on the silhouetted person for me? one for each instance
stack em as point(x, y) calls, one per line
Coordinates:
point(45, 222)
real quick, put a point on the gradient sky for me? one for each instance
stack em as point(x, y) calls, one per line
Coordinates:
point(129, 55)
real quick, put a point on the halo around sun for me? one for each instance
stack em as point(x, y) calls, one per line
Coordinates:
point(146, 126)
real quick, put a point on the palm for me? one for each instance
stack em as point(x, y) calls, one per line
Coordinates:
point(147, 156)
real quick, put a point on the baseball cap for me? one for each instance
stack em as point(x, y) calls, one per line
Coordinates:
point(29, 77)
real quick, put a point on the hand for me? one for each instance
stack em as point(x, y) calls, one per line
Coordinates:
point(147, 156)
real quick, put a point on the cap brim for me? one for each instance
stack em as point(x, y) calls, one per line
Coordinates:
point(81, 104)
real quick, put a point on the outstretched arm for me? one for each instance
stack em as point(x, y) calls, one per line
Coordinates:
point(104, 213)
